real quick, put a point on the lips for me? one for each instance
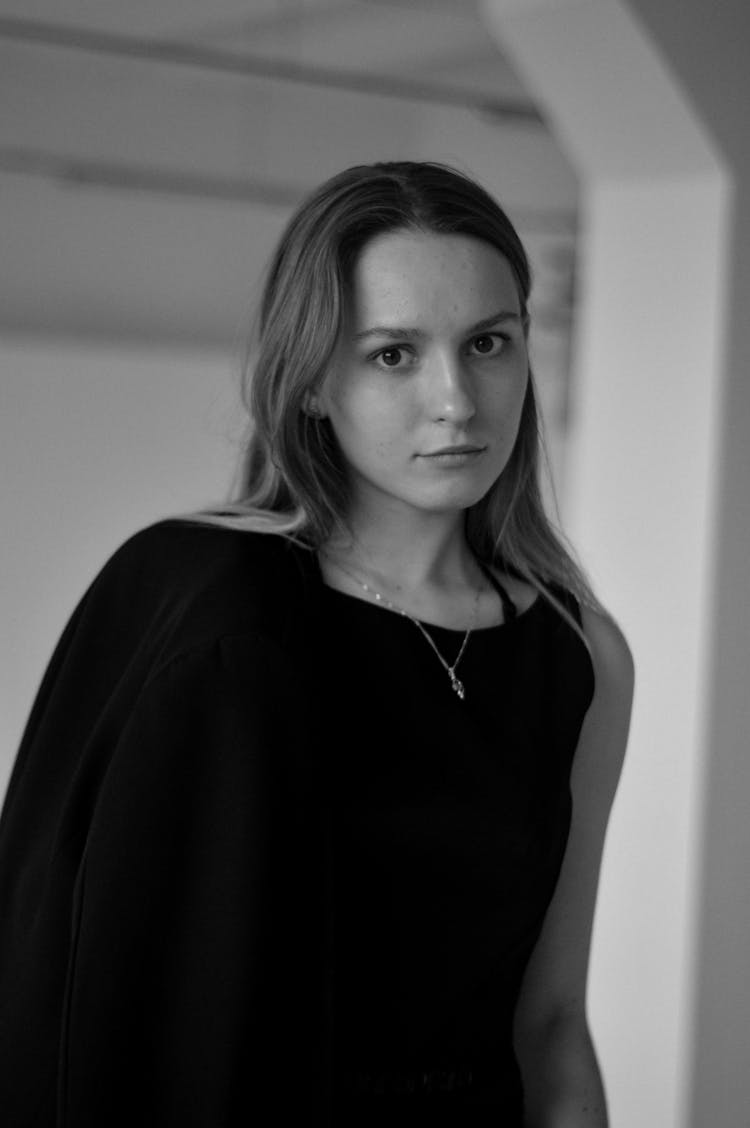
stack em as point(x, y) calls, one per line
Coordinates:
point(463, 449)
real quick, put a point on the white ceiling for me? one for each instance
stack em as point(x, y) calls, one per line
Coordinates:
point(150, 151)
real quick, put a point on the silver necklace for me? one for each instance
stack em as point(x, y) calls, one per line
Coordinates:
point(456, 684)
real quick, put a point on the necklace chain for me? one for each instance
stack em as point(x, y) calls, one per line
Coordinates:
point(456, 684)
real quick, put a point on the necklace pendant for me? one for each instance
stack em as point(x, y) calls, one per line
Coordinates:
point(457, 685)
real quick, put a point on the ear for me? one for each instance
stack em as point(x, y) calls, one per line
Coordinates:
point(311, 406)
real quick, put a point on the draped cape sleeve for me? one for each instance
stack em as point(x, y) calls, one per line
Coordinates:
point(163, 852)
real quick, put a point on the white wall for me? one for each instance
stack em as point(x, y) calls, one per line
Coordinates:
point(95, 441)
point(640, 506)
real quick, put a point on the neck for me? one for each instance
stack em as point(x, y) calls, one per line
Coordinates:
point(406, 557)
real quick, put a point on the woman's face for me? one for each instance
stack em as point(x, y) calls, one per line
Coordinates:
point(430, 373)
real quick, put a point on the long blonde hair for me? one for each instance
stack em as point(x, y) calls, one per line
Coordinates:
point(293, 480)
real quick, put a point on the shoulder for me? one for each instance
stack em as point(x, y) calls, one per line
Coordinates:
point(611, 656)
point(603, 739)
point(190, 552)
point(194, 582)
point(192, 541)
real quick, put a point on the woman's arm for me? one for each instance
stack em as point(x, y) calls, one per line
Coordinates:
point(562, 1083)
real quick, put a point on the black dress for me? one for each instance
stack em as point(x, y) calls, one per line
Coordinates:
point(255, 852)
point(450, 823)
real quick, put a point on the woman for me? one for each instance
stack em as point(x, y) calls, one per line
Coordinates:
point(290, 832)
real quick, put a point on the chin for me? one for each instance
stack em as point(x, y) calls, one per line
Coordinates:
point(451, 501)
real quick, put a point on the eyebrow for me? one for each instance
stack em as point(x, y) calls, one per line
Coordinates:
point(397, 333)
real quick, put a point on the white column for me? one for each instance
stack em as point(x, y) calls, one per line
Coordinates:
point(642, 489)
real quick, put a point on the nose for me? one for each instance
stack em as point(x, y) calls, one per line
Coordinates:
point(450, 392)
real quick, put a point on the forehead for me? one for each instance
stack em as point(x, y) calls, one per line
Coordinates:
point(414, 276)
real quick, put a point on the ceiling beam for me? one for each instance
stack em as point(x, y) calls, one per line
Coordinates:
point(280, 19)
point(76, 172)
point(120, 175)
point(175, 53)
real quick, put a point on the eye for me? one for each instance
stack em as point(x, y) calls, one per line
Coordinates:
point(392, 357)
point(488, 344)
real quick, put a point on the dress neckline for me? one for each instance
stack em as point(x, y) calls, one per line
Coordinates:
point(508, 621)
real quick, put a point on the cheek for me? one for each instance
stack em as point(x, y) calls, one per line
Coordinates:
point(505, 400)
point(358, 434)
point(371, 421)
